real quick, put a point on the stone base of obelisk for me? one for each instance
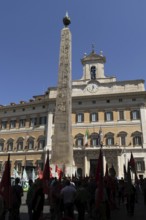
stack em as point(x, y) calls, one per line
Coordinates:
point(68, 170)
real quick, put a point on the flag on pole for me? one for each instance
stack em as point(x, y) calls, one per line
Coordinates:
point(46, 175)
point(86, 138)
point(15, 173)
point(125, 172)
point(5, 185)
point(129, 180)
point(106, 172)
point(24, 175)
point(132, 163)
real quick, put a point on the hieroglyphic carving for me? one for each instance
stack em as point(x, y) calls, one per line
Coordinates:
point(61, 107)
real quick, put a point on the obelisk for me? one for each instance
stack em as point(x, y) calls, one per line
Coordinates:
point(62, 142)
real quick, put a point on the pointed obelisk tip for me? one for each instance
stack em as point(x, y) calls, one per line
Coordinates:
point(66, 20)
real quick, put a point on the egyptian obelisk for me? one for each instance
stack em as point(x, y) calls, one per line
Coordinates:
point(62, 144)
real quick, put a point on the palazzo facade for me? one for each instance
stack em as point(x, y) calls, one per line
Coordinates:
point(105, 113)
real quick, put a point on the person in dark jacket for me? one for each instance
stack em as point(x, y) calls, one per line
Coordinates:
point(38, 201)
point(17, 193)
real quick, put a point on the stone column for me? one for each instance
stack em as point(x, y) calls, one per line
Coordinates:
point(49, 131)
point(143, 124)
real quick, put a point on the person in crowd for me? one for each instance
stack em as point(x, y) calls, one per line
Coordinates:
point(29, 197)
point(68, 194)
point(17, 193)
point(144, 190)
point(2, 207)
point(55, 202)
point(81, 200)
point(130, 192)
point(121, 190)
point(91, 187)
point(102, 208)
point(38, 200)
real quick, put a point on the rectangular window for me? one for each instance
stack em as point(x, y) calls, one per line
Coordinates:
point(80, 117)
point(4, 125)
point(43, 120)
point(12, 123)
point(22, 123)
point(140, 165)
point(33, 122)
point(135, 115)
point(121, 115)
point(93, 117)
point(108, 116)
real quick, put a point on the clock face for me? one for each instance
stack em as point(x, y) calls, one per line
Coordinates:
point(92, 87)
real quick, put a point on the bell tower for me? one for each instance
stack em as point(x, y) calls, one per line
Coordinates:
point(93, 66)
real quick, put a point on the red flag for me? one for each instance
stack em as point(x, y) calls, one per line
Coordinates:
point(5, 185)
point(132, 163)
point(46, 175)
point(99, 179)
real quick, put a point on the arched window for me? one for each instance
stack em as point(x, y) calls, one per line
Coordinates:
point(94, 139)
point(2, 145)
point(137, 138)
point(41, 142)
point(109, 139)
point(20, 144)
point(122, 138)
point(10, 144)
point(93, 72)
point(79, 140)
point(30, 143)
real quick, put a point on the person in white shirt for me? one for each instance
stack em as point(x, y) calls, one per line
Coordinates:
point(68, 194)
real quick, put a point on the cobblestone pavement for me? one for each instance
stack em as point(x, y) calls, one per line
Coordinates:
point(119, 214)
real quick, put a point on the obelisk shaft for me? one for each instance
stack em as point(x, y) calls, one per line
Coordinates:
point(62, 146)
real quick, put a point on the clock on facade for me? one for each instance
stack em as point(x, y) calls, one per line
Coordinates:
point(92, 87)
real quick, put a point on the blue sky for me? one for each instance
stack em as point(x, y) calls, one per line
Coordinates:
point(30, 41)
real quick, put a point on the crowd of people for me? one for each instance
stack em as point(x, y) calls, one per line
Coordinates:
point(76, 194)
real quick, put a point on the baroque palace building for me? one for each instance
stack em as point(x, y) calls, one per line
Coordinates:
point(111, 113)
